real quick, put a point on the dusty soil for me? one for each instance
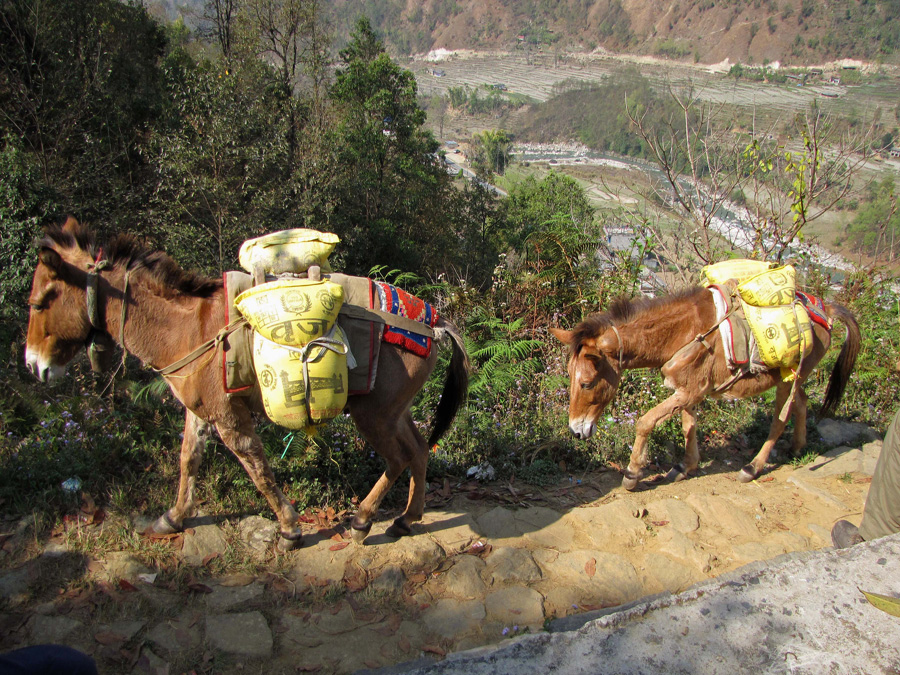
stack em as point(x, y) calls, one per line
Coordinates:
point(489, 561)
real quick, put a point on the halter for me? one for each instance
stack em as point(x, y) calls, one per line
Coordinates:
point(621, 344)
point(94, 345)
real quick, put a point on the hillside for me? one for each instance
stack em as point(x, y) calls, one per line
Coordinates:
point(706, 31)
point(797, 32)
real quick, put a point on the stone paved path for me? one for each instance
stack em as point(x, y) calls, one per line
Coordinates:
point(484, 565)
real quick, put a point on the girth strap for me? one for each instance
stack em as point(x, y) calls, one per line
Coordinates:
point(395, 320)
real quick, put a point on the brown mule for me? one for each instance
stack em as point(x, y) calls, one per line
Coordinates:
point(651, 334)
point(160, 313)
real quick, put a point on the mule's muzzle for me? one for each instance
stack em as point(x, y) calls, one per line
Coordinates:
point(582, 429)
point(43, 371)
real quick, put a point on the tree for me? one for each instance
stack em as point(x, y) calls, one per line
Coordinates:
point(387, 186)
point(876, 228)
point(80, 85)
point(786, 186)
point(492, 148)
point(220, 175)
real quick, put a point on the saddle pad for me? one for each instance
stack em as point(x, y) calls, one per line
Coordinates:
point(364, 336)
point(237, 349)
point(397, 301)
point(816, 309)
point(741, 350)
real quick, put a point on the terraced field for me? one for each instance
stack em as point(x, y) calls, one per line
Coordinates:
point(535, 75)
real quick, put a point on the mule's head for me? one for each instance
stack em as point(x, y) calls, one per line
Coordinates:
point(594, 375)
point(58, 324)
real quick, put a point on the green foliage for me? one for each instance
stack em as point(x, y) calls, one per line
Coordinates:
point(596, 115)
point(388, 184)
point(80, 88)
point(492, 150)
point(217, 161)
point(24, 201)
point(876, 228)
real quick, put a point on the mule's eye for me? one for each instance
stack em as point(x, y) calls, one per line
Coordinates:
point(589, 385)
point(36, 306)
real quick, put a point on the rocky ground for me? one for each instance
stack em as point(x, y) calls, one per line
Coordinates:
point(489, 562)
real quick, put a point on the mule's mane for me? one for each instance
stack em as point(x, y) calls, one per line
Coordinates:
point(128, 252)
point(623, 310)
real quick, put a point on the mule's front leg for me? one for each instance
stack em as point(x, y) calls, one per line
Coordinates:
point(645, 425)
point(196, 432)
point(249, 450)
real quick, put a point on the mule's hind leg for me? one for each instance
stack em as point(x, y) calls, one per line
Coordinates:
point(752, 470)
point(399, 444)
point(646, 424)
point(196, 431)
point(691, 460)
point(800, 408)
point(415, 505)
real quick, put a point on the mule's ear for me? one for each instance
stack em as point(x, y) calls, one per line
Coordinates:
point(52, 260)
point(564, 336)
point(71, 225)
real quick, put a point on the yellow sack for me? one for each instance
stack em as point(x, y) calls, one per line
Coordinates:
point(769, 289)
point(783, 334)
point(739, 269)
point(291, 311)
point(302, 387)
point(288, 251)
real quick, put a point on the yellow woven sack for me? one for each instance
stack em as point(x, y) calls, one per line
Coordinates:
point(302, 387)
point(769, 289)
point(291, 311)
point(739, 269)
point(782, 333)
point(288, 251)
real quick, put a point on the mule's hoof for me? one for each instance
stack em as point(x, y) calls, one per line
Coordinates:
point(359, 531)
point(747, 474)
point(398, 529)
point(677, 473)
point(165, 525)
point(630, 481)
point(288, 541)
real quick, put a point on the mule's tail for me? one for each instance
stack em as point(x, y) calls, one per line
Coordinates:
point(457, 384)
point(846, 360)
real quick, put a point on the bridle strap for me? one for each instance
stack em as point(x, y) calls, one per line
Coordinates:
point(621, 344)
point(93, 310)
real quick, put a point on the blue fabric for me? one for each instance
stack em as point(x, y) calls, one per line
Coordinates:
point(47, 660)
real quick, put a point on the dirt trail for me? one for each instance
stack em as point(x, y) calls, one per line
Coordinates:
point(488, 562)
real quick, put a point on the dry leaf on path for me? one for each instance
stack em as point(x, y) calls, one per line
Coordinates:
point(885, 603)
point(235, 580)
point(590, 567)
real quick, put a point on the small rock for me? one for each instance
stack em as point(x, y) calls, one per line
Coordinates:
point(511, 566)
point(245, 634)
point(123, 565)
point(515, 606)
point(226, 598)
point(390, 581)
point(451, 619)
point(52, 629)
point(204, 541)
point(258, 533)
